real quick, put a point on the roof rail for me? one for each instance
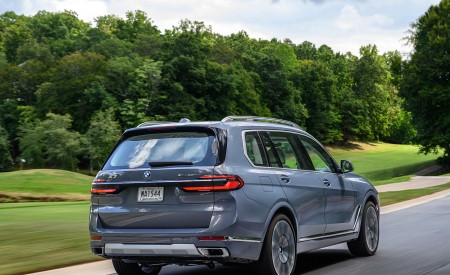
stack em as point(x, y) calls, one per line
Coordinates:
point(262, 119)
point(151, 123)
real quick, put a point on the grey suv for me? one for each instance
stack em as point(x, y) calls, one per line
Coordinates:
point(241, 190)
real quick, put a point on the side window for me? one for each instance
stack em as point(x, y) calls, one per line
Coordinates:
point(284, 148)
point(254, 149)
point(319, 158)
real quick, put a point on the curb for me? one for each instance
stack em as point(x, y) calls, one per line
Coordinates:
point(417, 201)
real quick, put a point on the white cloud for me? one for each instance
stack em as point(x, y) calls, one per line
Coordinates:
point(349, 19)
point(87, 10)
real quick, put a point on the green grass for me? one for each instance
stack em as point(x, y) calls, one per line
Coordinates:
point(387, 198)
point(393, 180)
point(40, 183)
point(382, 161)
point(39, 236)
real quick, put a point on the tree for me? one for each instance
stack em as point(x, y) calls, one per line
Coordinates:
point(136, 23)
point(103, 133)
point(5, 154)
point(318, 85)
point(426, 84)
point(15, 32)
point(76, 87)
point(9, 117)
point(63, 32)
point(51, 142)
point(278, 92)
point(372, 91)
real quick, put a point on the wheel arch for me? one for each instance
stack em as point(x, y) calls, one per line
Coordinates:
point(281, 208)
point(372, 196)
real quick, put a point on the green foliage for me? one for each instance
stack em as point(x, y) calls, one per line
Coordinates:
point(401, 130)
point(371, 89)
point(136, 23)
point(51, 142)
point(56, 63)
point(5, 155)
point(63, 32)
point(318, 84)
point(75, 87)
point(278, 90)
point(426, 85)
point(103, 133)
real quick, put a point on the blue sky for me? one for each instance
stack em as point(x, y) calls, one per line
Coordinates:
point(344, 25)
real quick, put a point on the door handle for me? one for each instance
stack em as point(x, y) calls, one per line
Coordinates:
point(326, 182)
point(285, 179)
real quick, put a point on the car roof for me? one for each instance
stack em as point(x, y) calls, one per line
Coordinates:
point(247, 122)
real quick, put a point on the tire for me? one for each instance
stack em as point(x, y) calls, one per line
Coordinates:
point(279, 252)
point(367, 242)
point(123, 268)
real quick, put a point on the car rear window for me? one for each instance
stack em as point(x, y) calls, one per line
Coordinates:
point(165, 149)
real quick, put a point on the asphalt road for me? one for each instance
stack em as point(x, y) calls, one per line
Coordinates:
point(415, 240)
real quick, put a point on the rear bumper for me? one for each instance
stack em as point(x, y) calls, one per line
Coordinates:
point(230, 250)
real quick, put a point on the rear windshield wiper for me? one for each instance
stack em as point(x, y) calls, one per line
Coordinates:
point(168, 163)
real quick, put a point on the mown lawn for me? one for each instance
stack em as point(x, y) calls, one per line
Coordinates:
point(39, 236)
point(380, 162)
point(387, 198)
point(44, 184)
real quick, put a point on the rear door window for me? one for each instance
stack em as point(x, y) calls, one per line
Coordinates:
point(165, 149)
point(285, 149)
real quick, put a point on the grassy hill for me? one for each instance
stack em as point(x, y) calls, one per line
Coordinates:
point(381, 162)
point(44, 185)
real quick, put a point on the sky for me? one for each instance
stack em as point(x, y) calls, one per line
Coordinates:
point(344, 25)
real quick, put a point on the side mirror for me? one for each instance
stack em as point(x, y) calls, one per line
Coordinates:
point(347, 166)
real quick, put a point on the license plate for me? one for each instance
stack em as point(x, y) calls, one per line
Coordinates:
point(150, 194)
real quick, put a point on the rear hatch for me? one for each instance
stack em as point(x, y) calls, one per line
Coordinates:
point(159, 178)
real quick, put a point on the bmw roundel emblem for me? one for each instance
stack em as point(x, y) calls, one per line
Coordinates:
point(147, 175)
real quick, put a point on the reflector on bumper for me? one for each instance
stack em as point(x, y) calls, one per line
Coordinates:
point(118, 249)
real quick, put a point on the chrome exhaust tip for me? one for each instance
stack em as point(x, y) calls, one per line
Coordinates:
point(214, 252)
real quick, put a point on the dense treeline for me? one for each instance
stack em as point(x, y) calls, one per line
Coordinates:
point(68, 89)
point(426, 81)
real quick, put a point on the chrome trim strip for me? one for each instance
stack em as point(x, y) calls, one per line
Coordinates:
point(151, 249)
point(242, 239)
point(327, 236)
point(357, 217)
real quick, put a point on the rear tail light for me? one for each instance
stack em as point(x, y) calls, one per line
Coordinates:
point(217, 183)
point(103, 191)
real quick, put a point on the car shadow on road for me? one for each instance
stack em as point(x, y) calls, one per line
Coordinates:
point(314, 261)
point(306, 262)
